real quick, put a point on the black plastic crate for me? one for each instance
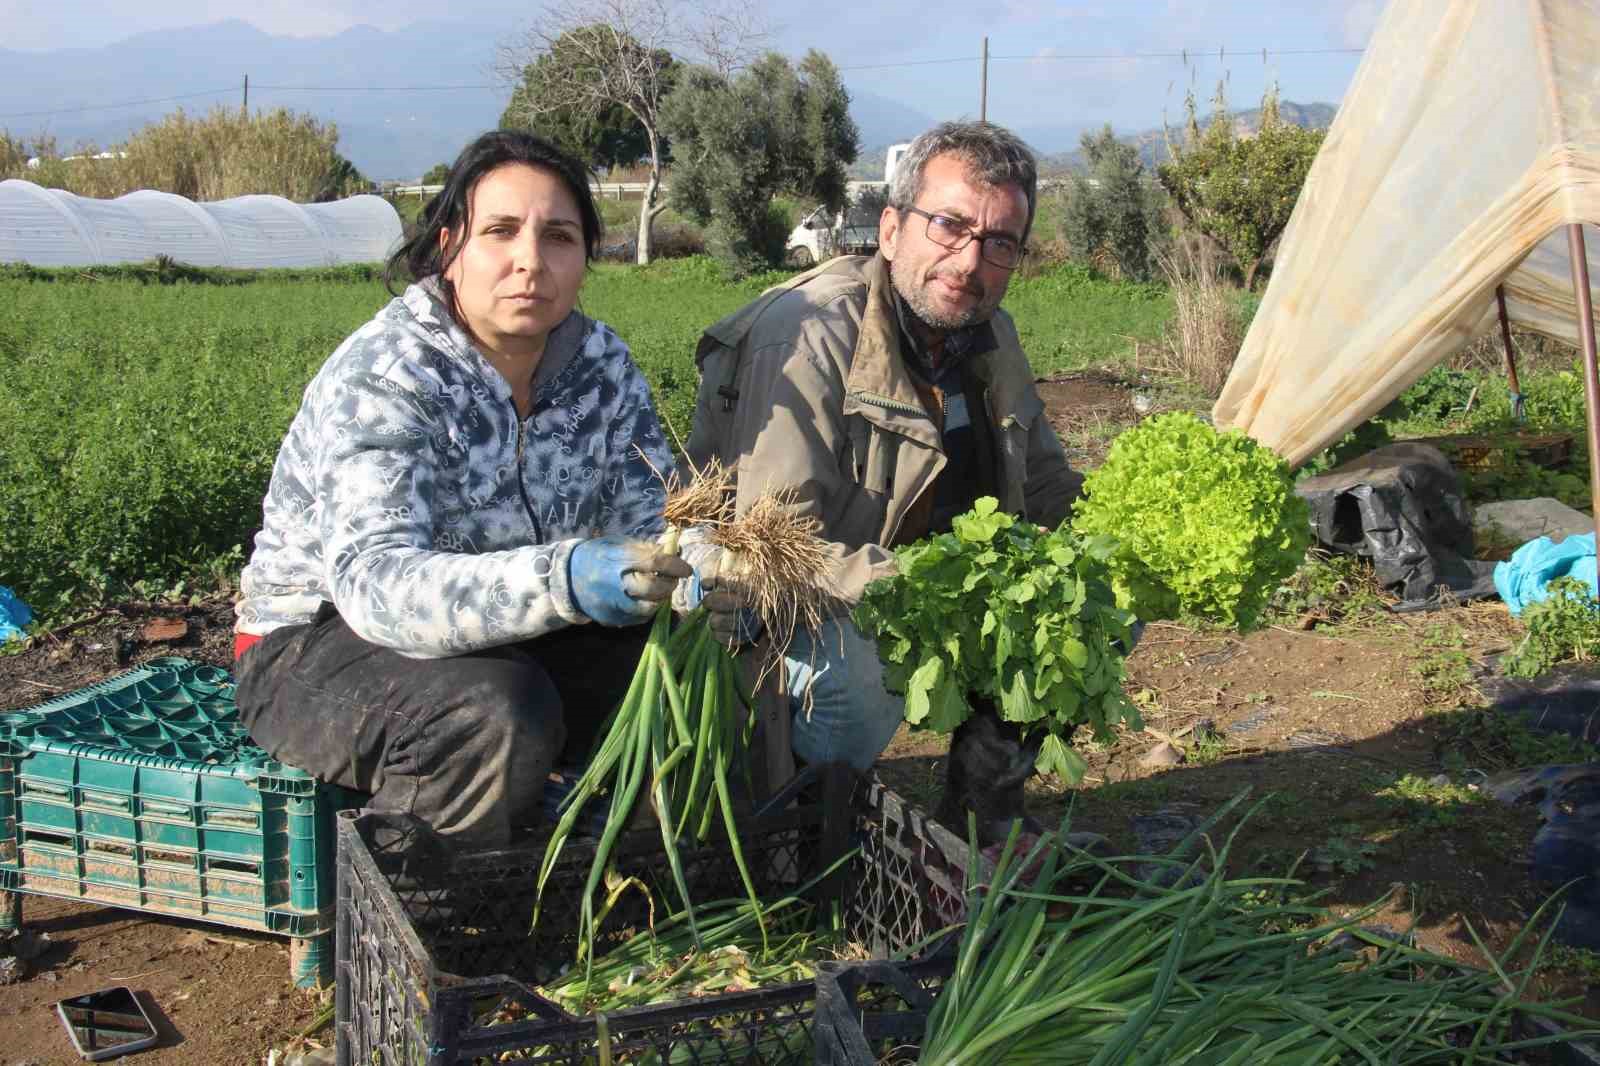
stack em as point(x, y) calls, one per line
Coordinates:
point(430, 947)
point(874, 1012)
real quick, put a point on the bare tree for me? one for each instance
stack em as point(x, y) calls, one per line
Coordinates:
point(586, 56)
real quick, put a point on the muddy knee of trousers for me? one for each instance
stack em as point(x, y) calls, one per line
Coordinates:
point(489, 755)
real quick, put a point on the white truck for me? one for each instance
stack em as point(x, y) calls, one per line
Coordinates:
point(850, 231)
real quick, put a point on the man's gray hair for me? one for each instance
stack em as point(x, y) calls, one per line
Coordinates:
point(994, 154)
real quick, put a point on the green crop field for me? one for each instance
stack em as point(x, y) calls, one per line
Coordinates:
point(139, 421)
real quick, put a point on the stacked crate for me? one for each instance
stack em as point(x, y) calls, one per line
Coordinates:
point(145, 792)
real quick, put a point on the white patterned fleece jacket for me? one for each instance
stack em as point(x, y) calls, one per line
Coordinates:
point(407, 494)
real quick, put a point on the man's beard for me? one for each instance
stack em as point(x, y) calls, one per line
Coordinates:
point(916, 297)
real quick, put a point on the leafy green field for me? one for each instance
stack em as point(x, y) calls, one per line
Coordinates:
point(139, 421)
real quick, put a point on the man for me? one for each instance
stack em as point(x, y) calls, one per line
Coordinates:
point(887, 394)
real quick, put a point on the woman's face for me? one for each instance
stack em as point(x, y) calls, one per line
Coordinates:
point(522, 263)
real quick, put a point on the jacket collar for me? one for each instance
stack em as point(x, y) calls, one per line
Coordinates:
point(880, 386)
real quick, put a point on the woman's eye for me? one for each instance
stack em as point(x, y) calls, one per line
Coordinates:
point(564, 236)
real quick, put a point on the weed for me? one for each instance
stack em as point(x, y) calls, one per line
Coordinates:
point(1482, 738)
point(1442, 665)
point(1426, 805)
point(1564, 627)
point(1208, 747)
point(1339, 589)
point(1580, 963)
point(1344, 854)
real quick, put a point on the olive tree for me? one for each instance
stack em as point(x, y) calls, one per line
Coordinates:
point(775, 127)
point(1114, 210)
point(580, 60)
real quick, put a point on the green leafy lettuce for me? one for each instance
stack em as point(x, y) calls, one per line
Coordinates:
point(1001, 610)
point(1207, 523)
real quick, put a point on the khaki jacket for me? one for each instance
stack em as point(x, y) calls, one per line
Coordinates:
point(805, 389)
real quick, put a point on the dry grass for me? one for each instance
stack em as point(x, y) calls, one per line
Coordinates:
point(215, 157)
point(1203, 339)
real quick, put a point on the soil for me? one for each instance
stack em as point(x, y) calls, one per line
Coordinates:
point(218, 994)
point(1314, 717)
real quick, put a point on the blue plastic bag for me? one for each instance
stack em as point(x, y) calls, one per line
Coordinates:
point(1526, 576)
point(14, 614)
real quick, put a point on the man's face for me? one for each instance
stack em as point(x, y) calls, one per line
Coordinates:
point(948, 290)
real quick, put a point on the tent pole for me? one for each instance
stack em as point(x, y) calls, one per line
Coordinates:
point(1591, 377)
point(1511, 354)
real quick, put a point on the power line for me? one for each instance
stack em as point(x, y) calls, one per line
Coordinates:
point(1201, 54)
point(1193, 53)
point(124, 103)
point(372, 88)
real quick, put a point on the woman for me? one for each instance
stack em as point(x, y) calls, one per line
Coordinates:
point(473, 477)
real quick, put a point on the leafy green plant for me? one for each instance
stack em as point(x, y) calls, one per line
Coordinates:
point(1344, 854)
point(1208, 523)
point(1485, 739)
point(1563, 627)
point(1425, 804)
point(1000, 610)
point(1442, 666)
point(1439, 393)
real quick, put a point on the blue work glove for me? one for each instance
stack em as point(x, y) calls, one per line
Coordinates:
point(620, 581)
point(726, 612)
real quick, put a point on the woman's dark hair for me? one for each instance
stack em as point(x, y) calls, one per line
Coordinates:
point(421, 255)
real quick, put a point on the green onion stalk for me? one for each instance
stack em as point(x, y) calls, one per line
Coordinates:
point(675, 736)
point(1207, 970)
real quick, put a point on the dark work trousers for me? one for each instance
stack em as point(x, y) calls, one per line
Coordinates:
point(464, 744)
point(990, 761)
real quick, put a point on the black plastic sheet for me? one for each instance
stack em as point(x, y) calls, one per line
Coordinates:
point(1401, 506)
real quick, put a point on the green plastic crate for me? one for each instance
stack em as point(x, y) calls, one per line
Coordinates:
point(145, 792)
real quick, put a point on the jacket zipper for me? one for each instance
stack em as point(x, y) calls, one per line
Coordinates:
point(874, 400)
point(522, 490)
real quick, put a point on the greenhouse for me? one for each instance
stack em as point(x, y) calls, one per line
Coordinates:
point(54, 228)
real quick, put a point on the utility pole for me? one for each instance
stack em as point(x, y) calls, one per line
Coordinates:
point(983, 92)
point(245, 109)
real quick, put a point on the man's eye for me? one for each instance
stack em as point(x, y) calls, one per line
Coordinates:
point(950, 225)
point(1001, 244)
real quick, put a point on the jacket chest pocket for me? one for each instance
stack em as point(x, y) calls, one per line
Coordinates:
point(870, 457)
point(1012, 433)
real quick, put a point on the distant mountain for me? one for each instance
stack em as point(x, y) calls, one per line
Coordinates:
point(386, 134)
point(882, 122)
point(1152, 143)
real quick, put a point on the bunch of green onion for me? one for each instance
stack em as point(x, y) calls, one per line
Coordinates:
point(1207, 971)
point(685, 719)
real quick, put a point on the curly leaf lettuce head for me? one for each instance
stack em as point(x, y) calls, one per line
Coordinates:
point(1001, 610)
point(1207, 523)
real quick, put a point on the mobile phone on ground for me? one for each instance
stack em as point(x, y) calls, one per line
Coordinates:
point(106, 1023)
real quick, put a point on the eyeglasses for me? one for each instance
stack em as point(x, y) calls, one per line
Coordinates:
point(999, 249)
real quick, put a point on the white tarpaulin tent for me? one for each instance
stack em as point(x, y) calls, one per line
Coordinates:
point(49, 227)
point(1467, 144)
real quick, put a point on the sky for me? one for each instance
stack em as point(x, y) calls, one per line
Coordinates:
point(1061, 63)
